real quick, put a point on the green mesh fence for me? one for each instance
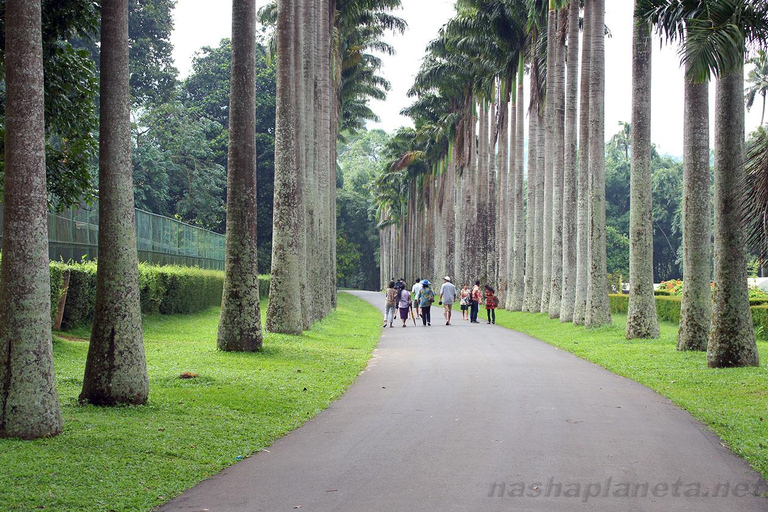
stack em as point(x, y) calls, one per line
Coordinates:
point(74, 235)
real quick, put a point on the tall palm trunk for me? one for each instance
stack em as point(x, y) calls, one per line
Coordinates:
point(641, 315)
point(327, 142)
point(530, 297)
point(334, 85)
point(549, 157)
point(289, 271)
point(490, 258)
point(570, 177)
point(598, 308)
point(556, 280)
point(313, 189)
point(504, 208)
point(519, 249)
point(449, 218)
point(732, 337)
point(116, 368)
point(696, 307)
point(507, 228)
point(482, 194)
point(29, 404)
point(540, 237)
point(582, 224)
point(471, 226)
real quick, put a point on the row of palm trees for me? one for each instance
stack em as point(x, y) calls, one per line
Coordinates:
point(326, 74)
point(452, 199)
point(325, 77)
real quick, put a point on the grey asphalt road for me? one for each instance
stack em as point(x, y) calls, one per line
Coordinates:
point(481, 418)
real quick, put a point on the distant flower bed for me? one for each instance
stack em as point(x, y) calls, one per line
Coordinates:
point(672, 287)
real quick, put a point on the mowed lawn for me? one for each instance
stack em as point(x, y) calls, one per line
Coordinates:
point(732, 402)
point(135, 458)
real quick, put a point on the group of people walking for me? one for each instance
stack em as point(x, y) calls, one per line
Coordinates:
point(418, 301)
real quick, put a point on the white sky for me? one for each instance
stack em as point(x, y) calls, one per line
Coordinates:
point(198, 25)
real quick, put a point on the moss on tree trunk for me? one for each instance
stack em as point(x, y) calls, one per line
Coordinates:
point(240, 321)
point(696, 307)
point(116, 369)
point(732, 336)
point(641, 315)
point(29, 404)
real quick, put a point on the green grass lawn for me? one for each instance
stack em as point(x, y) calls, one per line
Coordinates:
point(135, 458)
point(732, 402)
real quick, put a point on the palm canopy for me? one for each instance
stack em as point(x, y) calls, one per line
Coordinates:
point(758, 79)
point(360, 26)
point(716, 32)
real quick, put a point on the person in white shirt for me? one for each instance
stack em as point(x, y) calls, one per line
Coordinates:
point(447, 298)
point(415, 293)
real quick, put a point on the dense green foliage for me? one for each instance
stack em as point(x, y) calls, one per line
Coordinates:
point(731, 402)
point(357, 246)
point(135, 458)
point(71, 60)
point(180, 147)
point(71, 93)
point(667, 208)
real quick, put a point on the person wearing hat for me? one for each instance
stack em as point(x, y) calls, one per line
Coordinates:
point(425, 299)
point(447, 298)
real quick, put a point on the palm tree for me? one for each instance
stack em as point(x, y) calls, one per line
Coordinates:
point(641, 315)
point(732, 335)
point(29, 404)
point(558, 171)
point(717, 34)
point(696, 307)
point(758, 79)
point(756, 209)
point(240, 322)
point(570, 178)
point(598, 311)
point(549, 157)
point(116, 368)
point(519, 250)
point(582, 226)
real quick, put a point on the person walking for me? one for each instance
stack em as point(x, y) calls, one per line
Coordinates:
point(425, 299)
point(415, 293)
point(474, 304)
point(390, 304)
point(490, 304)
point(404, 305)
point(465, 296)
point(447, 298)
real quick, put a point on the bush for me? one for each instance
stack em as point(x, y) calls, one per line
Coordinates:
point(619, 303)
point(668, 308)
point(760, 320)
point(168, 290)
point(81, 294)
point(662, 292)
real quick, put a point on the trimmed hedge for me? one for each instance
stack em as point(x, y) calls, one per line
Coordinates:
point(668, 309)
point(167, 289)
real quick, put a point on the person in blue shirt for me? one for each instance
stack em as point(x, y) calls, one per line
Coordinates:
point(425, 299)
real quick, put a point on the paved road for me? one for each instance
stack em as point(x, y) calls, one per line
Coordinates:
point(462, 417)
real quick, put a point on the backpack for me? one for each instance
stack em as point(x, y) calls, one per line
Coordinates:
point(429, 295)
